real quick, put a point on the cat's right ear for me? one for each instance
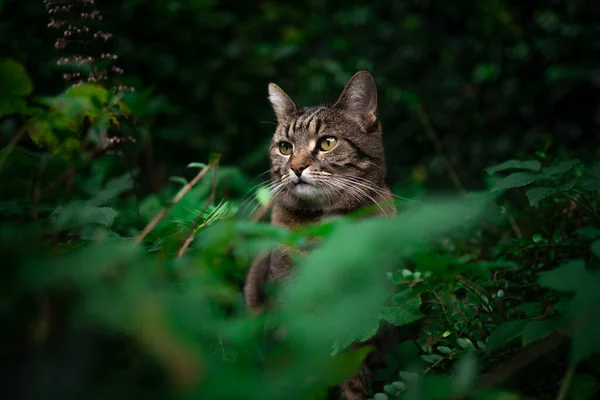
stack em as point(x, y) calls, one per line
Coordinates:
point(281, 102)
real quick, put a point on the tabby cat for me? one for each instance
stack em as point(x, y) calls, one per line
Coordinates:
point(325, 161)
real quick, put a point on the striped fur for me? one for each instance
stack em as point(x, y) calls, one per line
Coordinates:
point(310, 183)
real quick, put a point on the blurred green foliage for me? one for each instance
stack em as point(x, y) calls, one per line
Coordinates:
point(128, 216)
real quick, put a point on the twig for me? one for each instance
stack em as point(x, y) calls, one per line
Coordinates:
point(441, 304)
point(435, 364)
point(260, 213)
point(5, 151)
point(192, 232)
point(37, 189)
point(515, 227)
point(439, 148)
point(472, 287)
point(566, 383)
point(184, 190)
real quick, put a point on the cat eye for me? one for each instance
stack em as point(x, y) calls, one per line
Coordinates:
point(327, 143)
point(285, 148)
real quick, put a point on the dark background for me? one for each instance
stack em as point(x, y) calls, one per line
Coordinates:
point(496, 79)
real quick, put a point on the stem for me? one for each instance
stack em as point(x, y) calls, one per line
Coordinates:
point(566, 383)
point(589, 208)
point(439, 148)
point(5, 152)
point(184, 190)
point(193, 230)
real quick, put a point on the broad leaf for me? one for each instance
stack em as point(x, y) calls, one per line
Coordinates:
point(566, 278)
point(536, 330)
point(530, 165)
point(560, 168)
point(536, 194)
point(517, 179)
point(505, 333)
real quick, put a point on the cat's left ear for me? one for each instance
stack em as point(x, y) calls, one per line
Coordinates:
point(282, 104)
point(359, 100)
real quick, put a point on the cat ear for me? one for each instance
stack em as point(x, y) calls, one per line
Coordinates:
point(359, 100)
point(281, 102)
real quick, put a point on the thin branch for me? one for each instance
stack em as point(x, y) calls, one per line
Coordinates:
point(437, 296)
point(260, 213)
point(439, 148)
point(184, 190)
point(566, 383)
point(193, 230)
point(515, 227)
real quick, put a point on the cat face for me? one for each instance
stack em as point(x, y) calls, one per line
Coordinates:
point(328, 157)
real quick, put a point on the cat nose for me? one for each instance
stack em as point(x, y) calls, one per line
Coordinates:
point(298, 168)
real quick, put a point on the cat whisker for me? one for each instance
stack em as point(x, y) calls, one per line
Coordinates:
point(359, 190)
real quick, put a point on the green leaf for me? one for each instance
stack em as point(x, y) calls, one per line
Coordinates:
point(263, 195)
point(566, 278)
point(569, 185)
point(344, 365)
point(431, 358)
point(559, 168)
point(79, 214)
point(196, 165)
point(596, 248)
point(444, 349)
point(532, 310)
point(588, 232)
point(466, 373)
point(505, 333)
point(465, 343)
point(589, 183)
point(583, 387)
point(531, 165)
point(517, 179)
point(406, 309)
point(485, 72)
point(536, 194)
point(178, 179)
point(14, 81)
point(14, 86)
point(536, 330)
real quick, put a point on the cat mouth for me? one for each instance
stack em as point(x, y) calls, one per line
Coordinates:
point(305, 190)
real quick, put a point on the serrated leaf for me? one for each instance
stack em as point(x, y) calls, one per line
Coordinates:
point(565, 187)
point(560, 168)
point(566, 278)
point(505, 333)
point(518, 179)
point(536, 194)
point(444, 349)
point(531, 165)
point(589, 183)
